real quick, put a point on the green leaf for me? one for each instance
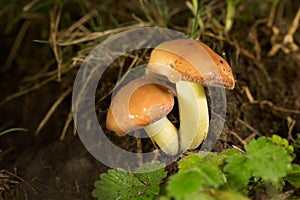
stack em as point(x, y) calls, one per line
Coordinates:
point(189, 162)
point(293, 177)
point(214, 159)
point(151, 175)
point(267, 160)
point(119, 184)
point(276, 139)
point(230, 152)
point(238, 171)
point(211, 175)
point(185, 183)
point(196, 160)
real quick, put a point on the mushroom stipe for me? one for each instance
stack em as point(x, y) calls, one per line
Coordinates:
point(189, 64)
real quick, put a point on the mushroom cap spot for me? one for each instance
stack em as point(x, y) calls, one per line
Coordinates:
point(193, 60)
point(131, 110)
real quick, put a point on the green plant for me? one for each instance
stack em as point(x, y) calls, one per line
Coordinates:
point(197, 10)
point(266, 161)
point(119, 184)
point(155, 11)
point(12, 130)
point(230, 174)
point(230, 13)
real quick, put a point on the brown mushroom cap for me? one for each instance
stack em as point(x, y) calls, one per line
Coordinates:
point(138, 104)
point(190, 60)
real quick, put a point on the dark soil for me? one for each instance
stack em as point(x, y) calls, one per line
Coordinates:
point(46, 168)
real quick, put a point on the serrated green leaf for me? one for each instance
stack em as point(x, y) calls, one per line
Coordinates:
point(185, 183)
point(214, 159)
point(293, 176)
point(230, 152)
point(238, 171)
point(267, 160)
point(276, 139)
point(151, 175)
point(211, 176)
point(189, 162)
point(116, 184)
point(194, 161)
point(279, 140)
point(206, 166)
point(119, 184)
point(150, 167)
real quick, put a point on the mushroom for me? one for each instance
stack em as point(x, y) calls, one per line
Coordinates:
point(190, 64)
point(144, 104)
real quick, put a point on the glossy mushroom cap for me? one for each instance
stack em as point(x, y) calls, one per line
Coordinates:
point(138, 104)
point(190, 60)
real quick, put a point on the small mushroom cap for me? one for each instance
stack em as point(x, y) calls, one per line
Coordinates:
point(190, 60)
point(138, 104)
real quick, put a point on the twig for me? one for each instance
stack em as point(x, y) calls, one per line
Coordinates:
point(272, 14)
point(248, 94)
point(287, 45)
point(250, 137)
point(290, 123)
point(295, 24)
point(243, 142)
point(277, 108)
point(269, 103)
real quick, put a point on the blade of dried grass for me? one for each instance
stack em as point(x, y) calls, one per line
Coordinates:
point(79, 23)
point(28, 6)
point(97, 35)
point(26, 91)
point(52, 110)
point(16, 45)
point(66, 126)
point(50, 76)
point(55, 15)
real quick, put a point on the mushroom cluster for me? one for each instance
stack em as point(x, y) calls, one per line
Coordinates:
point(145, 103)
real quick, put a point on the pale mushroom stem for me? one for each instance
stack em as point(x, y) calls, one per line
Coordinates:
point(164, 134)
point(194, 114)
point(184, 61)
